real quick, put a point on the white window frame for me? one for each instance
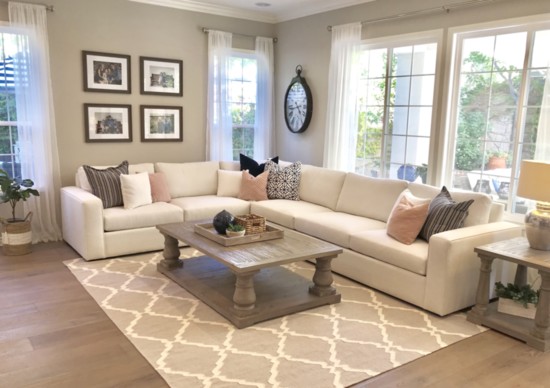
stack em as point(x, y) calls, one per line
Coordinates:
point(418, 38)
point(452, 81)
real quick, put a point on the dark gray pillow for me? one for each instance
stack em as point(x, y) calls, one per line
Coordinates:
point(283, 183)
point(444, 214)
point(105, 183)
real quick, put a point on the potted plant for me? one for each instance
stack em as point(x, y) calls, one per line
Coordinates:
point(235, 230)
point(16, 232)
point(497, 159)
point(517, 300)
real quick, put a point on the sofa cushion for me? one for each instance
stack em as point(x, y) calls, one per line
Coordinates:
point(229, 183)
point(253, 188)
point(118, 218)
point(159, 187)
point(335, 227)
point(207, 206)
point(369, 197)
point(283, 182)
point(478, 213)
point(377, 244)
point(253, 167)
point(321, 185)
point(136, 190)
point(81, 180)
point(283, 212)
point(231, 165)
point(105, 183)
point(190, 179)
point(444, 214)
point(406, 220)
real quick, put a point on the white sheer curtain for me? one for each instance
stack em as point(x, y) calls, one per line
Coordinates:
point(35, 118)
point(263, 121)
point(542, 145)
point(342, 116)
point(218, 116)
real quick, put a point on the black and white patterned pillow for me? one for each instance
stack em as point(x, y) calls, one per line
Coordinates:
point(444, 214)
point(283, 183)
point(105, 183)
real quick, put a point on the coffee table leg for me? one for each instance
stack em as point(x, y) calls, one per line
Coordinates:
point(244, 297)
point(171, 254)
point(322, 278)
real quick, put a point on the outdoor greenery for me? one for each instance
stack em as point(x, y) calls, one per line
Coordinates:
point(521, 294)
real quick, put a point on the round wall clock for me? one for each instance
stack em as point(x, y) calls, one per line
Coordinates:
point(298, 103)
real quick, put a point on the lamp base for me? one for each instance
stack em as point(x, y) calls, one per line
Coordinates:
point(537, 229)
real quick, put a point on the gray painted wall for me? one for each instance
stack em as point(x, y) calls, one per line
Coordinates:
point(121, 26)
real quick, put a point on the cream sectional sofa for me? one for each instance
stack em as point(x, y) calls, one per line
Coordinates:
point(346, 209)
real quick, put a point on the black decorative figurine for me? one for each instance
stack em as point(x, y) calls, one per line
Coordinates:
point(222, 220)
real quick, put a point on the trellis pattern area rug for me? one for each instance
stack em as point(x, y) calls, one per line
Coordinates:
point(190, 345)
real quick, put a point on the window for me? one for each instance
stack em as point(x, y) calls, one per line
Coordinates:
point(498, 88)
point(395, 103)
point(9, 150)
point(242, 95)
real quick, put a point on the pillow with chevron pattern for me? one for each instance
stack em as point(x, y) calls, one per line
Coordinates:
point(283, 183)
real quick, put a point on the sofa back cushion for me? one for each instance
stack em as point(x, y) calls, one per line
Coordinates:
point(81, 180)
point(369, 197)
point(190, 179)
point(321, 186)
point(478, 213)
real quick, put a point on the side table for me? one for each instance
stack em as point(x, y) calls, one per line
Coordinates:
point(535, 333)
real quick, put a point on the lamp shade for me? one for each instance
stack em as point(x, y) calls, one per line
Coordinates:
point(534, 180)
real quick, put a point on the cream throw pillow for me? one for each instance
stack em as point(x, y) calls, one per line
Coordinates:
point(136, 190)
point(229, 183)
point(253, 188)
point(407, 217)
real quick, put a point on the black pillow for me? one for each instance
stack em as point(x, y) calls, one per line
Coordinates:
point(252, 166)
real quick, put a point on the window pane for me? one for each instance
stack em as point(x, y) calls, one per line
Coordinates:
point(541, 54)
point(504, 57)
point(418, 149)
point(402, 61)
point(399, 116)
point(477, 54)
point(422, 90)
point(420, 121)
point(400, 91)
point(424, 59)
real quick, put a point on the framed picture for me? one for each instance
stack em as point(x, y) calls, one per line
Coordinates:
point(106, 72)
point(161, 76)
point(107, 123)
point(161, 123)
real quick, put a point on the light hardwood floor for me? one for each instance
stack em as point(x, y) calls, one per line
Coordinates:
point(52, 334)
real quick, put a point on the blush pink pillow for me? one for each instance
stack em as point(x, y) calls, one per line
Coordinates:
point(159, 187)
point(406, 220)
point(253, 188)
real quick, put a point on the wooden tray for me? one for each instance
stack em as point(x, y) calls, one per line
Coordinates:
point(207, 230)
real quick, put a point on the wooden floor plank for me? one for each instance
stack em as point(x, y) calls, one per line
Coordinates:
point(53, 334)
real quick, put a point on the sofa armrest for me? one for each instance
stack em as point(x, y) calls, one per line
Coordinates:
point(82, 222)
point(453, 266)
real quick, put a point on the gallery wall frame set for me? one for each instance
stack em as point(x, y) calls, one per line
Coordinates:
point(108, 73)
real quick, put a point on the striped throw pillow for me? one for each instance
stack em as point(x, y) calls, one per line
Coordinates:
point(106, 183)
point(444, 214)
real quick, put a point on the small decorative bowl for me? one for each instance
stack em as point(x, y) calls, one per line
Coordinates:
point(232, 233)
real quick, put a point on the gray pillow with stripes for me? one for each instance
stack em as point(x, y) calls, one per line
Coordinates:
point(105, 183)
point(444, 214)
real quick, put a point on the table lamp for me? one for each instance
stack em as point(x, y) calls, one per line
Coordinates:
point(534, 183)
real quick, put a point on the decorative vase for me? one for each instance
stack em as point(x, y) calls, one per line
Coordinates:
point(221, 221)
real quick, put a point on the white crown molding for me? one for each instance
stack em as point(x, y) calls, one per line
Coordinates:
point(297, 10)
point(196, 6)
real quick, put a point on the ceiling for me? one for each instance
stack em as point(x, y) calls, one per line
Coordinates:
point(267, 11)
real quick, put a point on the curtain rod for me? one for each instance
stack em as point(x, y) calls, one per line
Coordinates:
point(49, 8)
point(207, 30)
point(444, 8)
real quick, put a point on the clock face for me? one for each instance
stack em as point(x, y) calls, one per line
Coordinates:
point(297, 111)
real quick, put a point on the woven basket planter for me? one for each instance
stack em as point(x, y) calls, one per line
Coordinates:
point(17, 237)
point(252, 223)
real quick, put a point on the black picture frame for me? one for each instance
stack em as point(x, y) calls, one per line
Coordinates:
point(107, 123)
point(106, 73)
point(159, 76)
point(161, 123)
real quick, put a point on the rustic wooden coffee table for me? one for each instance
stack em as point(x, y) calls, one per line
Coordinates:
point(246, 283)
